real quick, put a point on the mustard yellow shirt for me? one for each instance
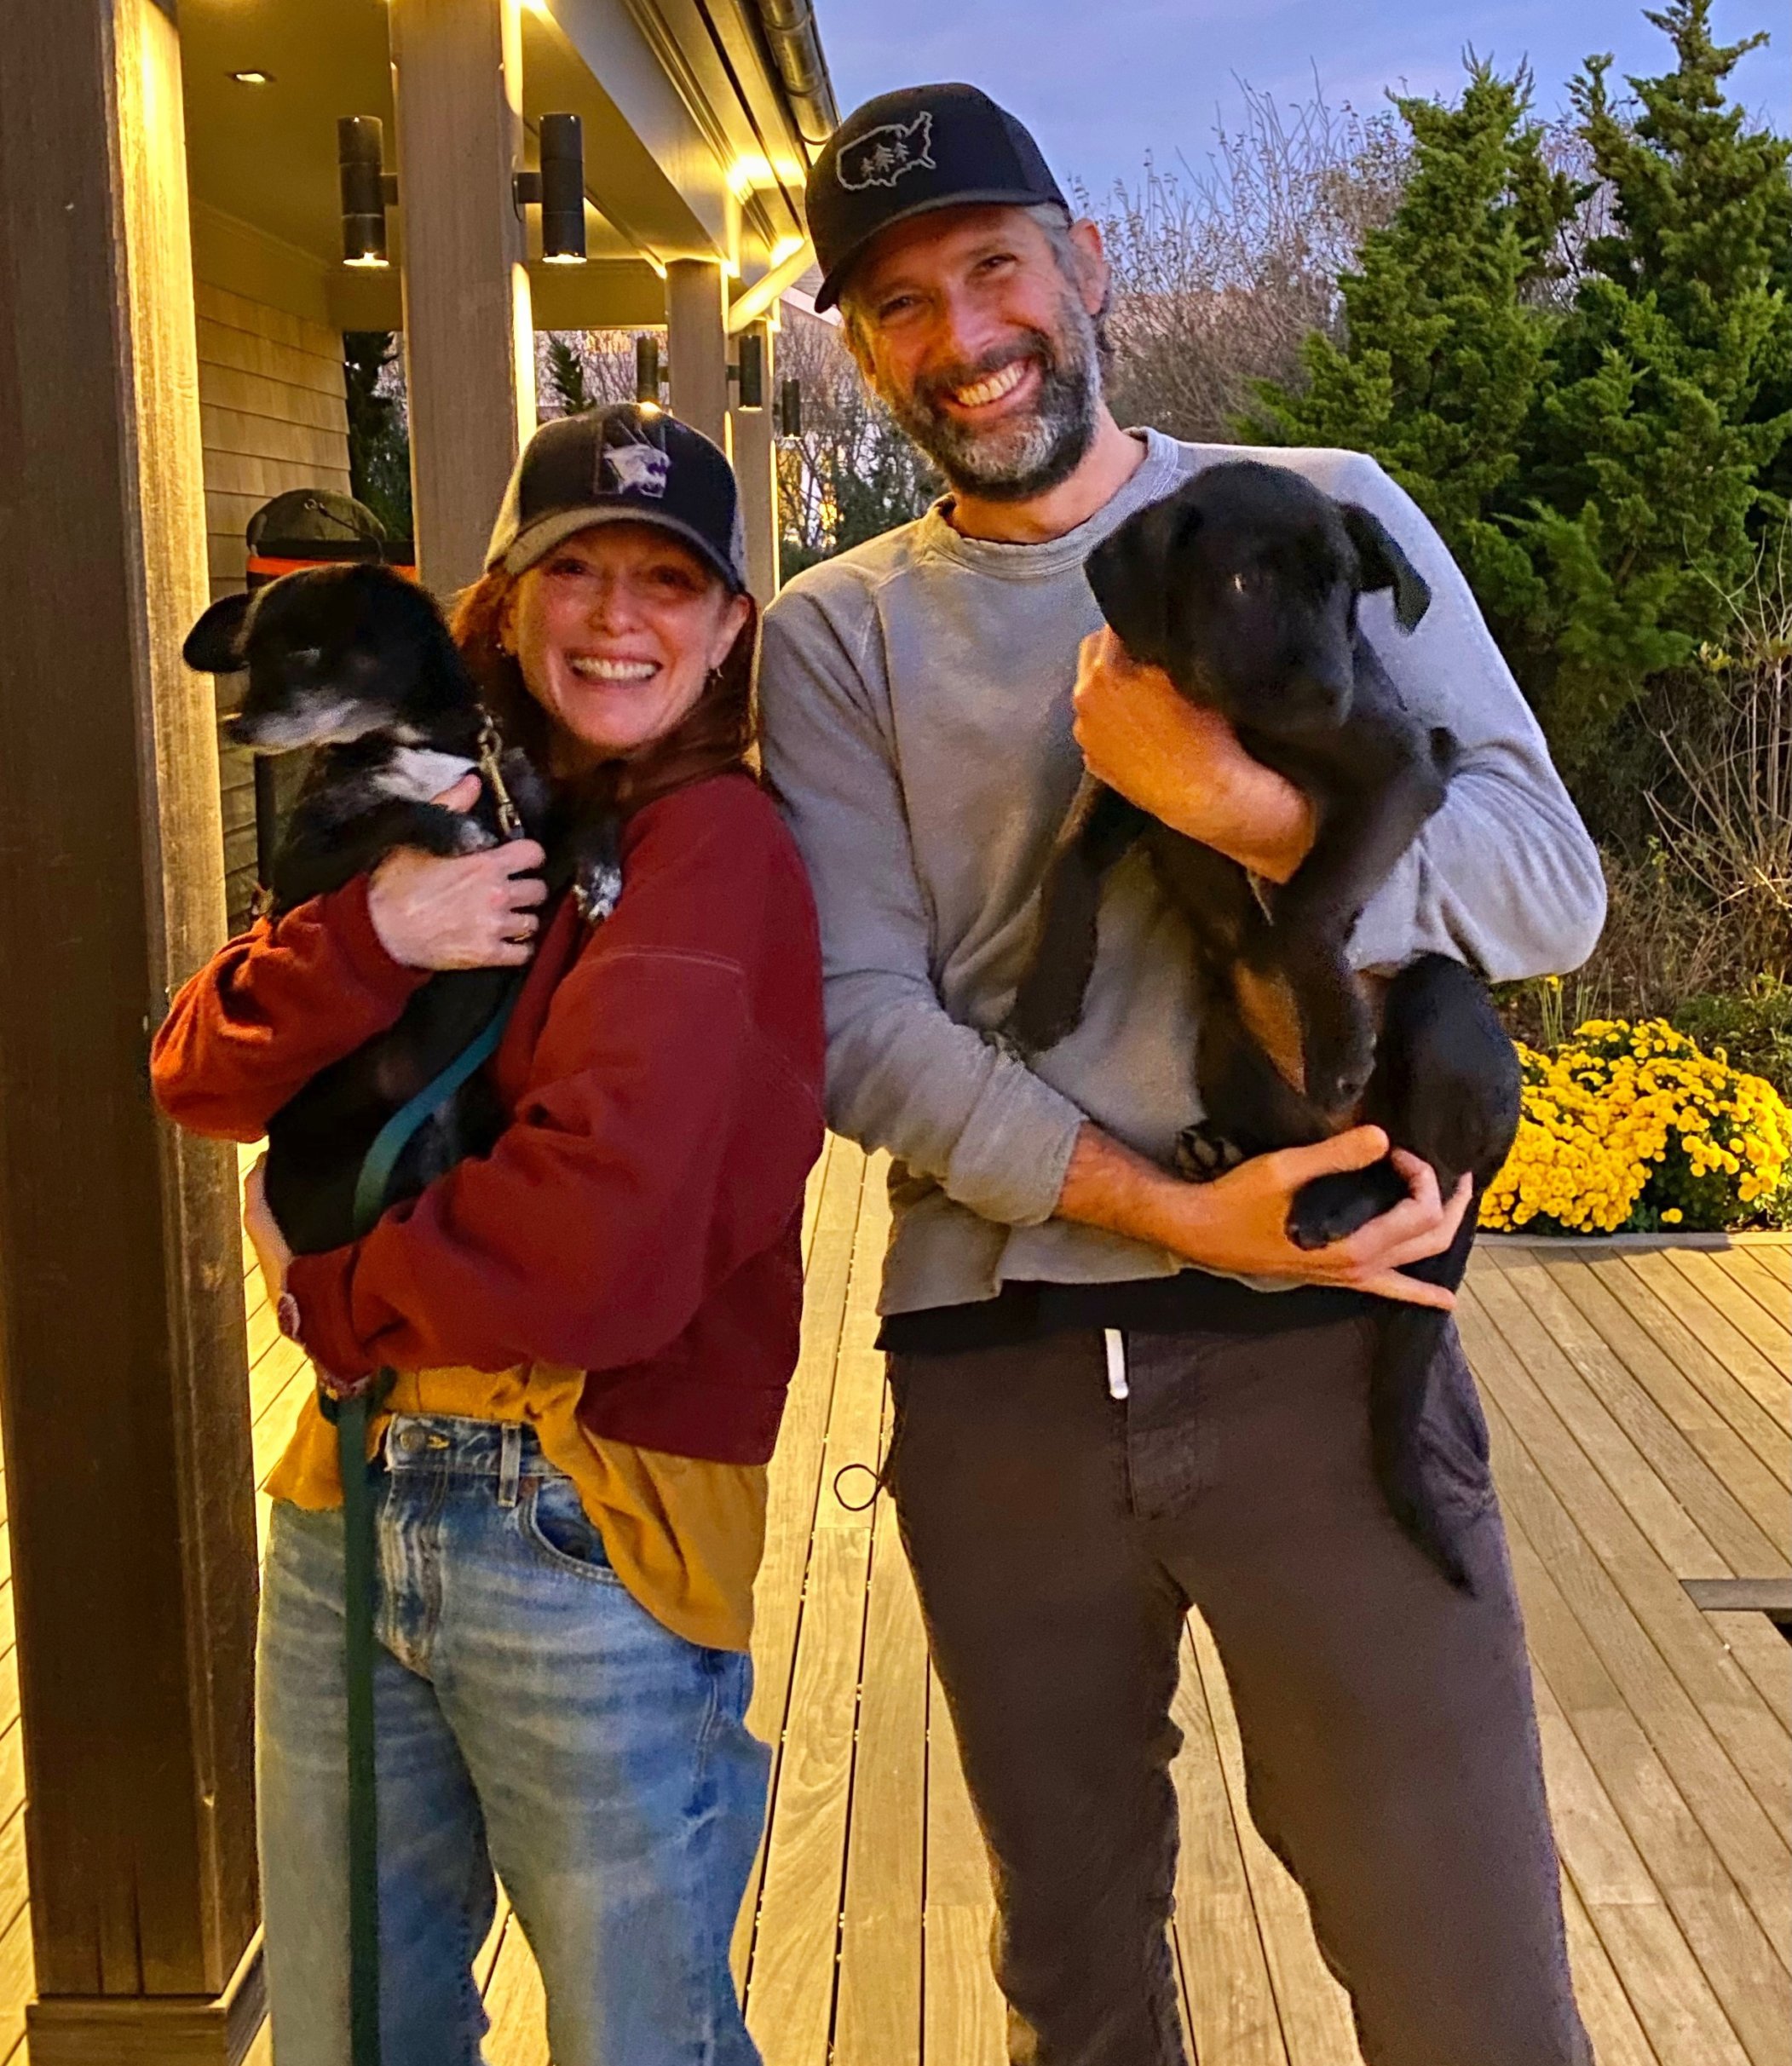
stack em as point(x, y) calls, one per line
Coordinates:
point(684, 1534)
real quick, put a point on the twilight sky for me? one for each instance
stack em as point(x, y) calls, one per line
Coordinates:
point(1100, 82)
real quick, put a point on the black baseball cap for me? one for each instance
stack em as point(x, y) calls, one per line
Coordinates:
point(625, 463)
point(907, 152)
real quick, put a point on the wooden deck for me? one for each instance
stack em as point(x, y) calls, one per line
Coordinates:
point(1641, 1403)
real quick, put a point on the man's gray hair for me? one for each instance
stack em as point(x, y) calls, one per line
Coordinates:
point(1055, 221)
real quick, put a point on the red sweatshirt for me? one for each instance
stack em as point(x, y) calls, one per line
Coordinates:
point(640, 1216)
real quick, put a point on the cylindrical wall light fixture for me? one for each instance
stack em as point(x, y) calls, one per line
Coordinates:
point(749, 371)
point(790, 408)
point(360, 152)
point(559, 187)
point(647, 371)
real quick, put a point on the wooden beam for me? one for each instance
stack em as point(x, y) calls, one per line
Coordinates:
point(756, 467)
point(696, 320)
point(122, 1376)
point(470, 350)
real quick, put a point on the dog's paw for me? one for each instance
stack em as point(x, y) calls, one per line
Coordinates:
point(1330, 1208)
point(597, 890)
point(472, 838)
point(1201, 1155)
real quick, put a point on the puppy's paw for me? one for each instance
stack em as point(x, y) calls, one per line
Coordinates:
point(1201, 1155)
point(472, 838)
point(1329, 1208)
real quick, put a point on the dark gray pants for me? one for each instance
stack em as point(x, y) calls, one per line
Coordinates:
point(1059, 1536)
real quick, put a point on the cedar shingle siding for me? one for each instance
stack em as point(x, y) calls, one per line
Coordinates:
point(272, 417)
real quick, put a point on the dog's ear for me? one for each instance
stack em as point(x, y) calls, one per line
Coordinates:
point(214, 644)
point(1385, 566)
point(1130, 573)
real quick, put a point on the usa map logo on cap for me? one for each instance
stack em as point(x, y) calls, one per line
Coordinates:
point(881, 156)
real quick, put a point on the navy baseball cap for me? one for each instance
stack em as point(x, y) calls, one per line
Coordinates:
point(908, 153)
point(622, 464)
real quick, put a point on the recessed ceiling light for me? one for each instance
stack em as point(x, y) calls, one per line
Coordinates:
point(253, 78)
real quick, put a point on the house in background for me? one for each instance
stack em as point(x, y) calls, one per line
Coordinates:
point(173, 293)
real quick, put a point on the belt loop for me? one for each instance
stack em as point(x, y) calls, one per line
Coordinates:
point(1116, 1344)
point(509, 1464)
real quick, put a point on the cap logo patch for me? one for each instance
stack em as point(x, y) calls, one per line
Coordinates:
point(881, 156)
point(636, 469)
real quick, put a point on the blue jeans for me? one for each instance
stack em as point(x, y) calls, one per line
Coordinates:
point(532, 1717)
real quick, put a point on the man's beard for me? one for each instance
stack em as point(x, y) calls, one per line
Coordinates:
point(1025, 456)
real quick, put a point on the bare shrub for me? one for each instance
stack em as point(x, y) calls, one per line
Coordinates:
point(1220, 271)
point(851, 473)
point(1728, 823)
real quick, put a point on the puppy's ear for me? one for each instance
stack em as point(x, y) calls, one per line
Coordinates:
point(214, 644)
point(1131, 573)
point(1385, 565)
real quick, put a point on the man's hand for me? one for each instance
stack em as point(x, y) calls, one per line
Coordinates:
point(1184, 764)
point(463, 910)
point(1239, 1222)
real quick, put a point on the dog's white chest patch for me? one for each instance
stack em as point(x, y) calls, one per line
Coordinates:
point(421, 775)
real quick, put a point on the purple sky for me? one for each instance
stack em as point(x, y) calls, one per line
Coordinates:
point(1100, 82)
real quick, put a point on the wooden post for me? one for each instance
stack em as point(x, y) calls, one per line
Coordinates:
point(696, 343)
point(469, 340)
point(755, 463)
point(122, 1375)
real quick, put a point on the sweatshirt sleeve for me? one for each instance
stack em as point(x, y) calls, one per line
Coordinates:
point(660, 1141)
point(902, 1074)
point(272, 1007)
point(1505, 875)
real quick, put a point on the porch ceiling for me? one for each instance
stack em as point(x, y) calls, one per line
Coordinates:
point(690, 148)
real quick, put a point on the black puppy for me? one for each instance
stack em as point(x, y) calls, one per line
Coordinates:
point(1242, 587)
point(356, 662)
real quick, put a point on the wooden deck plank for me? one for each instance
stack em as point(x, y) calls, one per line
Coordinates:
point(789, 2010)
point(1773, 1252)
point(1702, 1682)
point(1634, 1936)
point(1687, 1474)
point(1773, 1336)
point(1724, 1345)
point(1611, 1436)
point(877, 2019)
point(1745, 1267)
point(1709, 1850)
point(792, 1488)
point(1710, 1425)
point(1762, 1652)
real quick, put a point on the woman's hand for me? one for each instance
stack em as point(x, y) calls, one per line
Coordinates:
point(1183, 764)
point(462, 911)
point(265, 1237)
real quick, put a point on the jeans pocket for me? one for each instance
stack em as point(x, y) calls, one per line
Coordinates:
point(556, 1525)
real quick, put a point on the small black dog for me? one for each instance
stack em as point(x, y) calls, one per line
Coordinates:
point(1242, 587)
point(356, 662)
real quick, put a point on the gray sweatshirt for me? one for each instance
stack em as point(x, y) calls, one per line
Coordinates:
point(916, 703)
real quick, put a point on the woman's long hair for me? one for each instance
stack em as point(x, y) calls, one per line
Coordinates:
point(715, 736)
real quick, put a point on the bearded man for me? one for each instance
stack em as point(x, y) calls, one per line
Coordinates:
point(1118, 1394)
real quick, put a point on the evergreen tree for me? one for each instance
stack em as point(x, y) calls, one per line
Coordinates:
point(1665, 408)
point(565, 376)
point(1445, 344)
point(379, 437)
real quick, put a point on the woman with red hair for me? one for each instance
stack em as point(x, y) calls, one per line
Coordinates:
point(593, 1324)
